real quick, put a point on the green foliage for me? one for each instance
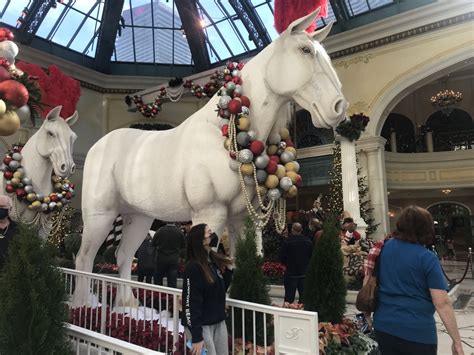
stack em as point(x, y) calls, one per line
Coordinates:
point(365, 208)
point(72, 243)
point(325, 287)
point(249, 284)
point(357, 346)
point(335, 203)
point(32, 306)
point(271, 242)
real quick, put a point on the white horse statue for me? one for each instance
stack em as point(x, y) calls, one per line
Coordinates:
point(50, 148)
point(183, 173)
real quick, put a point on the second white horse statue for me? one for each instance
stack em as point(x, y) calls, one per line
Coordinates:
point(183, 173)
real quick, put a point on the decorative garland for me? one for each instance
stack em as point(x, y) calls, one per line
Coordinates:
point(19, 184)
point(270, 166)
point(353, 127)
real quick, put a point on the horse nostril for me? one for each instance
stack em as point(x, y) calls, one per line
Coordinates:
point(63, 167)
point(73, 168)
point(339, 106)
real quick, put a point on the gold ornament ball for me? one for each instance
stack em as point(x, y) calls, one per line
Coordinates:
point(272, 181)
point(272, 149)
point(15, 181)
point(31, 196)
point(46, 199)
point(227, 143)
point(291, 150)
point(292, 175)
point(244, 123)
point(56, 179)
point(59, 204)
point(35, 204)
point(292, 191)
point(290, 167)
point(281, 171)
point(262, 190)
point(18, 175)
point(247, 169)
point(58, 186)
point(9, 123)
point(284, 133)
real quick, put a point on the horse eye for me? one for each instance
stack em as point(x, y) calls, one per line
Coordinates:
point(50, 134)
point(306, 50)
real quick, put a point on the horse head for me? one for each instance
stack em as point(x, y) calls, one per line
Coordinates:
point(55, 141)
point(300, 69)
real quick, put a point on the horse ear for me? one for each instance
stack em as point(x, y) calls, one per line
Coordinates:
point(303, 23)
point(54, 113)
point(321, 34)
point(73, 119)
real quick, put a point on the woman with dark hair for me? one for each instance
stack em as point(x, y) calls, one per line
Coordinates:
point(207, 276)
point(411, 286)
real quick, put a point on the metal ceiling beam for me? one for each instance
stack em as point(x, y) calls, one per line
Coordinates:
point(107, 34)
point(37, 11)
point(249, 17)
point(341, 12)
point(190, 19)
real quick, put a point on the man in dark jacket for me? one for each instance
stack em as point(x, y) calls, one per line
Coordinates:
point(146, 260)
point(295, 254)
point(169, 245)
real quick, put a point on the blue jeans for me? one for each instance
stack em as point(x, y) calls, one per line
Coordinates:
point(291, 284)
point(170, 271)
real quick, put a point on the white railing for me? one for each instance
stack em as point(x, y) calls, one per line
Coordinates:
point(88, 342)
point(148, 315)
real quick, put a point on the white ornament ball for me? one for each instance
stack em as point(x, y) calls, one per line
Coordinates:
point(249, 180)
point(14, 164)
point(286, 157)
point(230, 86)
point(234, 164)
point(16, 156)
point(24, 113)
point(26, 181)
point(28, 189)
point(39, 196)
point(245, 110)
point(243, 139)
point(236, 72)
point(52, 205)
point(223, 122)
point(44, 206)
point(274, 138)
point(224, 101)
point(3, 107)
point(261, 176)
point(261, 161)
point(273, 194)
point(286, 183)
point(238, 89)
point(252, 135)
point(9, 50)
point(245, 156)
point(223, 91)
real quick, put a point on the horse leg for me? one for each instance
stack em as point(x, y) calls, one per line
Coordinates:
point(96, 228)
point(134, 230)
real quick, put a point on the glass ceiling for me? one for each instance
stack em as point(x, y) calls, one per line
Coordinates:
point(151, 31)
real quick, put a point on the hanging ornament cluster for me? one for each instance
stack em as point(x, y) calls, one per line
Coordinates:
point(207, 90)
point(147, 110)
point(19, 184)
point(270, 166)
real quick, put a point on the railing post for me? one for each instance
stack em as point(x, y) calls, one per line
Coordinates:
point(103, 310)
point(175, 323)
point(429, 142)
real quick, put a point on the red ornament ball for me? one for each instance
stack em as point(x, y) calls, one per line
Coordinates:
point(233, 155)
point(9, 188)
point(234, 106)
point(289, 143)
point(8, 175)
point(235, 94)
point(228, 78)
point(4, 74)
point(245, 101)
point(7, 160)
point(257, 147)
point(14, 92)
point(68, 195)
point(53, 198)
point(20, 193)
point(272, 167)
point(225, 130)
point(275, 158)
point(6, 34)
point(237, 80)
point(240, 66)
point(299, 180)
point(230, 66)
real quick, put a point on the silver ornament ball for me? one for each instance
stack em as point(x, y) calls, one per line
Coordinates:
point(52, 205)
point(27, 181)
point(286, 183)
point(274, 138)
point(14, 164)
point(16, 156)
point(224, 101)
point(236, 72)
point(249, 180)
point(39, 196)
point(245, 156)
point(230, 86)
point(28, 189)
point(286, 157)
point(245, 110)
point(261, 161)
point(243, 139)
point(282, 144)
point(261, 176)
point(273, 194)
point(225, 114)
point(238, 89)
point(44, 206)
point(252, 135)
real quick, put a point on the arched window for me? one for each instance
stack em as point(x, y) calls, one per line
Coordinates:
point(452, 220)
point(453, 132)
point(404, 130)
point(307, 135)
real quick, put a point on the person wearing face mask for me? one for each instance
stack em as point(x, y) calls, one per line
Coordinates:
point(7, 228)
point(204, 292)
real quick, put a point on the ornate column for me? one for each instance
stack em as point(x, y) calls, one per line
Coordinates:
point(393, 142)
point(350, 186)
point(429, 141)
point(373, 149)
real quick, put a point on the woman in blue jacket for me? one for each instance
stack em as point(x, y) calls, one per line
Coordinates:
point(207, 276)
point(411, 287)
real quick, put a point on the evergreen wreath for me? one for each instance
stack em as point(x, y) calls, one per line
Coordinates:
point(353, 127)
point(21, 186)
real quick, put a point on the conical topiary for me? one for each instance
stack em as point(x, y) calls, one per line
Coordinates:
point(325, 287)
point(32, 305)
point(249, 284)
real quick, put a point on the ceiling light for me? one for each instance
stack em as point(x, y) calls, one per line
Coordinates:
point(446, 191)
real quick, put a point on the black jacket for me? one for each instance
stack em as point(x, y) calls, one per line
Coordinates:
point(203, 303)
point(295, 254)
point(146, 255)
point(170, 245)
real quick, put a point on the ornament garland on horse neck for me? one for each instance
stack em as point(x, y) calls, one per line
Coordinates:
point(270, 166)
point(21, 186)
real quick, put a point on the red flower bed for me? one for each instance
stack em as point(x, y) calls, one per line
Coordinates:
point(273, 269)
